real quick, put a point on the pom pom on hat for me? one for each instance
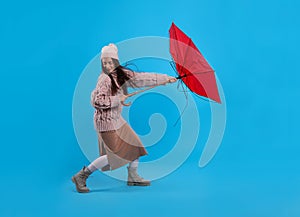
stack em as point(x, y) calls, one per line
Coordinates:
point(110, 51)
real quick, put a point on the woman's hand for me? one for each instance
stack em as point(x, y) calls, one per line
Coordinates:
point(169, 80)
point(172, 80)
point(123, 98)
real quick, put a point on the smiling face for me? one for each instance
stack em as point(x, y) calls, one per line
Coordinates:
point(108, 65)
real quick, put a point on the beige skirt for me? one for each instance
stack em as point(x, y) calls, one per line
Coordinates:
point(121, 147)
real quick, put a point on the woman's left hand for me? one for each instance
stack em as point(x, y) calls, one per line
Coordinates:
point(123, 98)
point(172, 80)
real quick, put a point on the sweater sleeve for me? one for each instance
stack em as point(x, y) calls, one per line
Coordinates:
point(145, 79)
point(100, 98)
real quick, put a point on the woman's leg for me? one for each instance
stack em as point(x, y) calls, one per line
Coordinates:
point(133, 177)
point(134, 164)
point(80, 178)
point(98, 163)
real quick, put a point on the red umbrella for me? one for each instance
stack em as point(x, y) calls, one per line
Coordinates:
point(191, 66)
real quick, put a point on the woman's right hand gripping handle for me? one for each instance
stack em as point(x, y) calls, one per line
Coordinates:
point(122, 100)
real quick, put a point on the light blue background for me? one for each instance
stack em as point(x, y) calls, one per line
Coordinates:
point(252, 45)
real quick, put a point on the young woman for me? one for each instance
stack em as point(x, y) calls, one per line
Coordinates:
point(118, 143)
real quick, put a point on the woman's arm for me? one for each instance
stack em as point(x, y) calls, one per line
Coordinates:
point(145, 79)
point(100, 98)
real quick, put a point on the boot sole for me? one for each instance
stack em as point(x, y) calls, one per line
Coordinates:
point(76, 184)
point(137, 184)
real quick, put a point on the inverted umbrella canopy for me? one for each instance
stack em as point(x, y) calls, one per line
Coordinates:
point(191, 66)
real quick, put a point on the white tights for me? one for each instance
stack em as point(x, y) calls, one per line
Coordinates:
point(102, 161)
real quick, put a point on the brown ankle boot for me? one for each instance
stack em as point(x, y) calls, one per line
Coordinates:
point(134, 179)
point(80, 180)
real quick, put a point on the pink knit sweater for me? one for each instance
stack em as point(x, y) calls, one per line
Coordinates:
point(108, 111)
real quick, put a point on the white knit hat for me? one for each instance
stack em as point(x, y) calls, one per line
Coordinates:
point(110, 51)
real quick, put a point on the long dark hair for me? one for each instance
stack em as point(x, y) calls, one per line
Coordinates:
point(122, 77)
